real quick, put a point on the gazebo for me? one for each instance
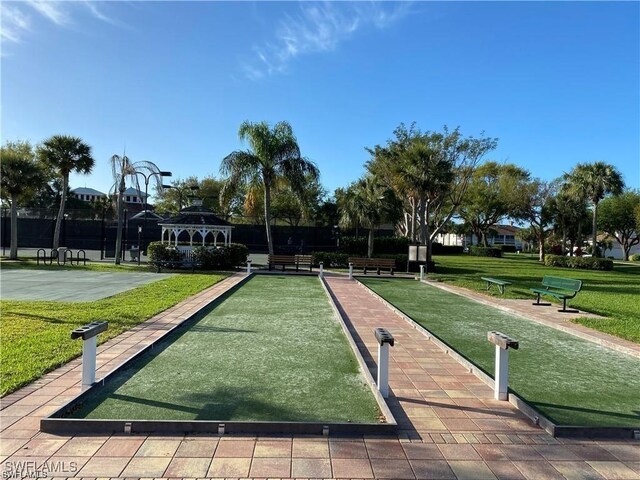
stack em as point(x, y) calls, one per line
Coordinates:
point(198, 222)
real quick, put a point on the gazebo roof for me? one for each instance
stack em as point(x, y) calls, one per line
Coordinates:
point(195, 215)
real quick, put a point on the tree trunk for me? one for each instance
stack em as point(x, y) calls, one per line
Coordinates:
point(267, 215)
point(422, 212)
point(413, 220)
point(541, 245)
point(626, 247)
point(63, 200)
point(370, 243)
point(564, 241)
point(121, 189)
point(13, 251)
point(594, 231)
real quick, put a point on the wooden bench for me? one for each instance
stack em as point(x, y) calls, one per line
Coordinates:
point(496, 281)
point(564, 289)
point(373, 263)
point(296, 260)
point(304, 260)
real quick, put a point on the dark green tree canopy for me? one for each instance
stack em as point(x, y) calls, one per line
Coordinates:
point(618, 218)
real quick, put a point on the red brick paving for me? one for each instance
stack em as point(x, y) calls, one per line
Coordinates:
point(450, 426)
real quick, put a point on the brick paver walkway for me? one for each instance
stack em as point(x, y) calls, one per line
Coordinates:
point(450, 426)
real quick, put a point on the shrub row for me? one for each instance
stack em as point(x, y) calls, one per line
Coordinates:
point(440, 249)
point(162, 252)
point(485, 252)
point(635, 257)
point(584, 263)
point(228, 256)
point(382, 245)
point(341, 260)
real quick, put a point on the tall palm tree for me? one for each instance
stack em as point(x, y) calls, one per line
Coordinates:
point(594, 181)
point(20, 176)
point(65, 154)
point(273, 154)
point(368, 203)
point(123, 170)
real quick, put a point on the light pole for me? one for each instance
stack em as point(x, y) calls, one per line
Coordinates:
point(139, 249)
point(147, 178)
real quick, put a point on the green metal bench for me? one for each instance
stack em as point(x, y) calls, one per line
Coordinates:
point(496, 281)
point(563, 289)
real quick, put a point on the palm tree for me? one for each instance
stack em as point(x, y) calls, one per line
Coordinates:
point(20, 176)
point(122, 168)
point(274, 154)
point(65, 154)
point(594, 181)
point(368, 203)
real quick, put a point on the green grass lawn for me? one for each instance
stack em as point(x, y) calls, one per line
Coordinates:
point(270, 351)
point(35, 336)
point(570, 380)
point(614, 294)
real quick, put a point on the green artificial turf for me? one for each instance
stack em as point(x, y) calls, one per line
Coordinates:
point(35, 335)
point(614, 294)
point(270, 351)
point(570, 380)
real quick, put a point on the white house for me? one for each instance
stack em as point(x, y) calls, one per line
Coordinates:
point(87, 194)
point(133, 195)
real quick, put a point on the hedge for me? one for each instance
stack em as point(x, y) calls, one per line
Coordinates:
point(583, 263)
point(163, 252)
point(440, 249)
point(228, 256)
point(341, 260)
point(635, 257)
point(381, 245)
point(485, 252)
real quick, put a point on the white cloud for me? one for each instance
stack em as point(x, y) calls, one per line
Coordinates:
point(14, 22)
point(17, 17)
point(53, 11)
point(317, 28)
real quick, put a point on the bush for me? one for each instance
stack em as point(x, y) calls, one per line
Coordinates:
point(331, 259)
point(162, 252)
point(381, 245)
point(237, 254)
point(635, 257)
point(486, 252)
point(505, 248)
point(439, 249)
point(583, 263)
point(400, 258)
point(228, 256)
point(210, 257)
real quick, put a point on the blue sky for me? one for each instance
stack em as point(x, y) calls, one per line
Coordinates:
point(557, 83)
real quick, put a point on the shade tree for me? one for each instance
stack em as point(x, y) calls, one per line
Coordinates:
point(617, 218)
point(20, 177)
point(492, 195)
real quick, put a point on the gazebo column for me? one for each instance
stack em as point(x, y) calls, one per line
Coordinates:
point(228, 237)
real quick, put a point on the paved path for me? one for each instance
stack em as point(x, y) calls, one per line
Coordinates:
point(451, 428)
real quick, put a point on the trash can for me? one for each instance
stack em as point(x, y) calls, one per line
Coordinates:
point(134, 251)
